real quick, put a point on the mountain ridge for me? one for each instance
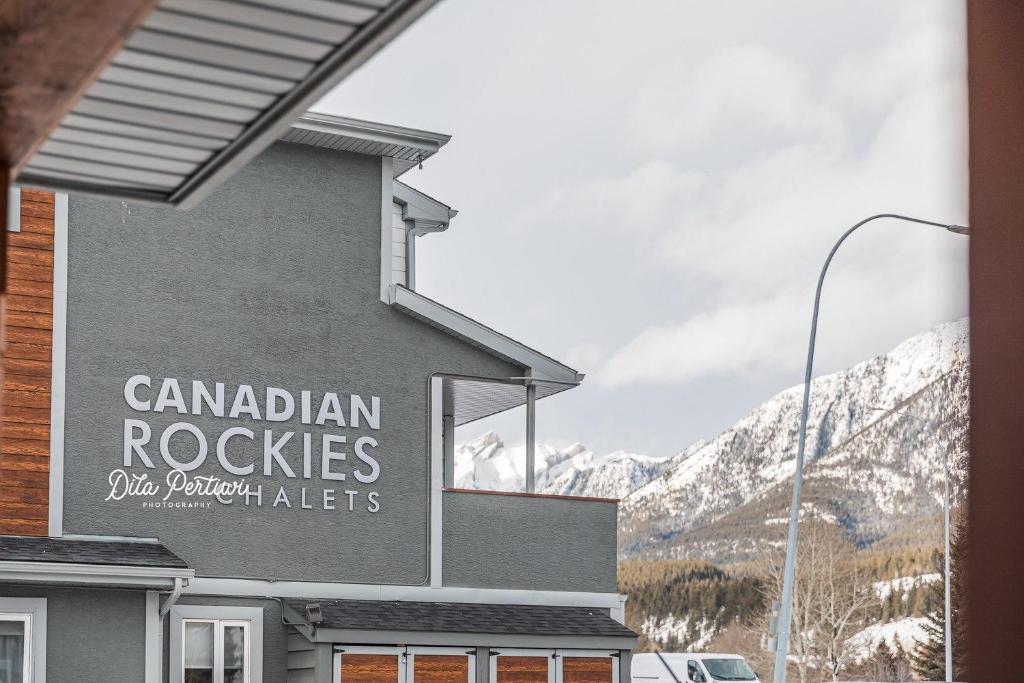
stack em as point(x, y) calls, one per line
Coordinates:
point(876, 434)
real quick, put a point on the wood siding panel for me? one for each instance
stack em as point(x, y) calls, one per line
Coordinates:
point(25, 362)
point(522, 669)
point(358, 668)
point(587, 670)
point(440, 668)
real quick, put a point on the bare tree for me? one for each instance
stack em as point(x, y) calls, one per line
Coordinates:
point(831, 595)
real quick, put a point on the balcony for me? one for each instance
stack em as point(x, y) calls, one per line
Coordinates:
point(529, 541)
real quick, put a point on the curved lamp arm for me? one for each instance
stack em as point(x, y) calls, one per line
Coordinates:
point(786, 608)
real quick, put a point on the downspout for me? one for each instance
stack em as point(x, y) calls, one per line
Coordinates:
point(172, 598)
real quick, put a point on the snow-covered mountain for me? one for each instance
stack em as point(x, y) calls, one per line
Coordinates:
point(486, 463)
point(877, 436)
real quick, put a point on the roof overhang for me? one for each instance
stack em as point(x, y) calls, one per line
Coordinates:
point(431, 639)
point(91, 560)
point(92, 574)
point(407, 146)
point(426, 213)
point(541, 368)
point(460, 624)
point(203, 86)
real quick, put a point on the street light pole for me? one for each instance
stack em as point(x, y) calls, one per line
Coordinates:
point(948, 609)
point(786, 613)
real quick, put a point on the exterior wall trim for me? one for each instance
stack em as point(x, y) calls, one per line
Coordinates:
point(93, 574)
point(350, 591)
point(254, 615)
point(436, 498)
point(36, 607)
point(58, 364)
point(529, 494)
point(13, 209)
point(154, 638)
point(386, 199)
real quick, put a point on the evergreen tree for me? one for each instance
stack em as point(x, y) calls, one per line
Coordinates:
point(929, 658)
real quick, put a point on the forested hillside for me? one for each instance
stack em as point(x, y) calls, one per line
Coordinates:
point(680, 605)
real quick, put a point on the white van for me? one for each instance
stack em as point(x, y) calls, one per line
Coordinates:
point(686, 667)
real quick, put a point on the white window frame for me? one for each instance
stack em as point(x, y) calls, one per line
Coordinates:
point(523, 652)
point(341, 650)
point(31, 612)
point(560, 656)
point(218, 645)
point(468, 653)
point(250, 618)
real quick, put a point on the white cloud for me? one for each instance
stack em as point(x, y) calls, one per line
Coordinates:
point(742, 90)
point(726, 340)
point(757, 231)
point(584, 357)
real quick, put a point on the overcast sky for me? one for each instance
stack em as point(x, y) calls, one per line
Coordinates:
point(646, 191)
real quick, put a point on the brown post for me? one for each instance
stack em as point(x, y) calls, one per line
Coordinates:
point(995, 42)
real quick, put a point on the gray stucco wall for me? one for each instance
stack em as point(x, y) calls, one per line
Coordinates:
point(93, 636)
point(272, 281)
point(275, 634)
point(529, 543)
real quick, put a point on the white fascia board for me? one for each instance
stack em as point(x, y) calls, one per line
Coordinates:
point(311, 590)
point(372, 131)
point(93, 574)
point(426, 213)
point(440, 639)
point(541, 367)
point(272, 122)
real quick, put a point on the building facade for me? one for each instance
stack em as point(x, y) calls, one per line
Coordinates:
point(229, 453)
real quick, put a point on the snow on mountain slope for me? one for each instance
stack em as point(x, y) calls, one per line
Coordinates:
point(908, 632)
point(876, 437)
point(486, 463)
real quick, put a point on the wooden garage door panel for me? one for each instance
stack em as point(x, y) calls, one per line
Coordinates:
point(357, 668)
point(440, 668)
point(522, 669)
point(587, 669)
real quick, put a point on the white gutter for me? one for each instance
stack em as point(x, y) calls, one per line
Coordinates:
point(93, 574)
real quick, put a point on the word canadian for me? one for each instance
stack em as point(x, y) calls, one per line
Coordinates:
point(232, 453)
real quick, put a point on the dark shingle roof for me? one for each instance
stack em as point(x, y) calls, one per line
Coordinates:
point(79, 551)
point(453, 617)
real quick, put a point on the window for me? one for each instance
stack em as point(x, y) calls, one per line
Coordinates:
point(22, 640)
point(15, 646)
point(693, 672)
point(216, 644)
point(215, 651)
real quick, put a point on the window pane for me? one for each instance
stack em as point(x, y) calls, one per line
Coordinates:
point(234, 654)
point(369, 668)
point(522, 669)
point(12, 651)
point(587, 670)
point(198, 651)
point(440, 668)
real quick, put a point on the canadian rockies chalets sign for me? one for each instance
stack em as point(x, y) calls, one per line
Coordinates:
point(313, 469)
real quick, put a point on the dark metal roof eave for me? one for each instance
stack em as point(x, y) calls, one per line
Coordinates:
point(175, 156)
point(269, 126)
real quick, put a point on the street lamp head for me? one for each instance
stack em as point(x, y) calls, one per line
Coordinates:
point(959, 229)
